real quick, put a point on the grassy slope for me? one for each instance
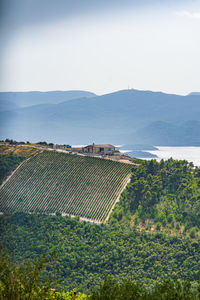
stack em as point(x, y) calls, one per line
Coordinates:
point(18, 150)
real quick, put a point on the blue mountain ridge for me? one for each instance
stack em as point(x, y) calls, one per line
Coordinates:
point(126, 116)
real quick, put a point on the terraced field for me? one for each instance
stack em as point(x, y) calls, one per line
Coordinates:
point(52, 182)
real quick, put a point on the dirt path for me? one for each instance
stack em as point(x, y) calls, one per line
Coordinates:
point(82, 219)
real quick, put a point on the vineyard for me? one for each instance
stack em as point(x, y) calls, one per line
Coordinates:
point(52, 182)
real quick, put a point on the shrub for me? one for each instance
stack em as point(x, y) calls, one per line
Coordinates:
point(177, 226)
point(170, 218)
point(158, 226)
point(193, 231)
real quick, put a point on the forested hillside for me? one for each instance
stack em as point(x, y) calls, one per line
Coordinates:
point(26, 280)
point(84, 252)
point(152, 235)
point(162, 196)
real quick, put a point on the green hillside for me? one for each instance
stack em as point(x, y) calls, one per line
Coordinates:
point(52, 182)
point(162, 196)
point(85, 252)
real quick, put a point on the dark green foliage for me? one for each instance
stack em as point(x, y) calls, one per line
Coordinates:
point(11, 141)
point(166, 192)
point(130, 290)
point(42, 143)
point(85, 252)
point(193, 232)
point(110, 290)
point(23, 281)
point(8, 162)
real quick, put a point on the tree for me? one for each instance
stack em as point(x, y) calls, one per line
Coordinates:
point(22, 281)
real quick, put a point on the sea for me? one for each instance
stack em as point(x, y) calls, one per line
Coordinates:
point(191, 154)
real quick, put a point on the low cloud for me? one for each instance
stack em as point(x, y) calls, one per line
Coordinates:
point(189, 14)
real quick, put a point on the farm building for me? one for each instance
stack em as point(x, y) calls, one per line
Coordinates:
point(106, 149)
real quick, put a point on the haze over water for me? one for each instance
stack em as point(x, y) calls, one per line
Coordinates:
point(191, 154)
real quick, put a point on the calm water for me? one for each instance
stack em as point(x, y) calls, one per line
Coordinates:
point(191, 154)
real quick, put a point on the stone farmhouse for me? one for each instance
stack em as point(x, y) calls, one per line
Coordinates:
point(105, 149)
point(101, 149)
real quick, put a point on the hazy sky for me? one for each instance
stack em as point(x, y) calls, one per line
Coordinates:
point(100, 45)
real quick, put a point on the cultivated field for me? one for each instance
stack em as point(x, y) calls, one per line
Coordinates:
point(52, 182)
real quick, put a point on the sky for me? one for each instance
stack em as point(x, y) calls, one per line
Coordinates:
point(100, 46)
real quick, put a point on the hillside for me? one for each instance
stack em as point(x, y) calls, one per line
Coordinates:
point(162, 197)
point(127, 116)
point(51, 182)
point(20, 149)
point(152, 234)
point(12, 156)
point(84, 252)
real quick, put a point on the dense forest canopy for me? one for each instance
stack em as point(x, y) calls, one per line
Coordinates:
point(162, 196)
point(25, 281)
point(84, 252)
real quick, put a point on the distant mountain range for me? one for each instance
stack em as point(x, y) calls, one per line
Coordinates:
point(126, 116)
point(13, 100)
